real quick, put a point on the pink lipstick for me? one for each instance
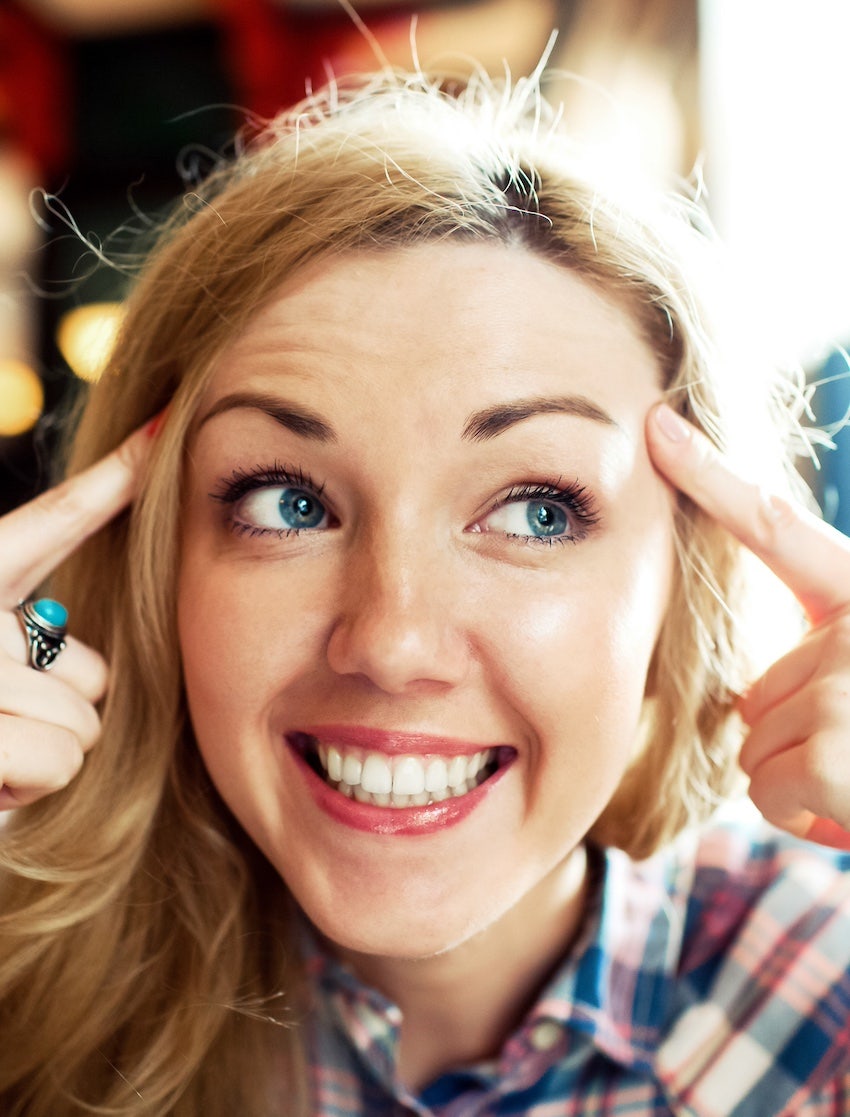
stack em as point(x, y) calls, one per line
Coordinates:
point(390, 782)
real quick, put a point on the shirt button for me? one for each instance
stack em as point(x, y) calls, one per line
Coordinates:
point(545, 1035)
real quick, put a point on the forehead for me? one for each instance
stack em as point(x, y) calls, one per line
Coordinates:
point(443, 324)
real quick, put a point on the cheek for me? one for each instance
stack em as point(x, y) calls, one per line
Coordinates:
point(243, 643)
point(247, 633)
point(636, 576)
point(211, 626)
point(575, 650)
point(214, 669)
point(639, 608)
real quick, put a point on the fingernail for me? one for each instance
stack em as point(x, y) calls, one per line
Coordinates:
point(774, 509)
point(153, 426)
point(671, 425)
point(828, 833)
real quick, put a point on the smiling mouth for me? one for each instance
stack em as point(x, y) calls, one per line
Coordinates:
point(397, 781)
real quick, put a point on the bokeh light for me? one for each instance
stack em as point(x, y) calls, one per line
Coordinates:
point(86, 336)
point(21, 397)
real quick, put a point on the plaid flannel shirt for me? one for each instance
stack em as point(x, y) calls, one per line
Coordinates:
point(712, 980)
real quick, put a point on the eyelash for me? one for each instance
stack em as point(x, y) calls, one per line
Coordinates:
point(244, 481)
point(575, 498)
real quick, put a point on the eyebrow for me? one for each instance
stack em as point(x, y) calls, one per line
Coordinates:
point(479, 427)
point(493, 421)
point(298, 419)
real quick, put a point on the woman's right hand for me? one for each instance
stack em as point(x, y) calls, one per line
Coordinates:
point(48, 719)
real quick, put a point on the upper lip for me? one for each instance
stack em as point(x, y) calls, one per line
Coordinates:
point(394, 742)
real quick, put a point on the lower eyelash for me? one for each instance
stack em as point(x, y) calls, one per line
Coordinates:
point(546, 540)
point(252, 531)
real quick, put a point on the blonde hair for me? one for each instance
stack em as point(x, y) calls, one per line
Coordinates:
point(144, 939)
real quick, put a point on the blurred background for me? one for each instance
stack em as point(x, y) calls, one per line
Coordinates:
point(105, 106)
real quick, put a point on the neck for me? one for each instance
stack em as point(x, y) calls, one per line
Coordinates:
point(460, 1006)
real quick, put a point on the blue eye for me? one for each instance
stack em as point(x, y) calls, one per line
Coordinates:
point(539, 519)
point(299, 509)
point(275, 508)
point(545, 518)
point(277, 501)
point(543, 514)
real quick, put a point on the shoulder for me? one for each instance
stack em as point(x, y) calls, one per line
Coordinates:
point(763, 1005)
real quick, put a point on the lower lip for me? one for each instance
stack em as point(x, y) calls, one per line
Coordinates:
point(390, 821)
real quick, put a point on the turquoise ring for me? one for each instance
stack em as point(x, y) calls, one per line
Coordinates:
point(45, 624)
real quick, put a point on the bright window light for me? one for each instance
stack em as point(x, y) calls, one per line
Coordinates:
point(777, 121)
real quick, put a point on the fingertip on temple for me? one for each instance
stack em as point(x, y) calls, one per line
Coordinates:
point(775, 510)
point(671, 426)
point(675, 447)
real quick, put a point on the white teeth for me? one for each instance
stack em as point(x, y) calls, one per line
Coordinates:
point(457, 771)
point(377, 775)
point(334, 764)
point(352, 769)
point(405, 781)
point(408, 776)
point(437, 775)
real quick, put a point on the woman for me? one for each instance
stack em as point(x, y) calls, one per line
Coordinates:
point(412, 654)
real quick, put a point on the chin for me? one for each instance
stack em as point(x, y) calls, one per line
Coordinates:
point(410, 933)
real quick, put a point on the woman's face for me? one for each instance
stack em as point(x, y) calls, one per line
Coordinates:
point(425, 563)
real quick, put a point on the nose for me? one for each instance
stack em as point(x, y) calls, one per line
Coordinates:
point(398, 623)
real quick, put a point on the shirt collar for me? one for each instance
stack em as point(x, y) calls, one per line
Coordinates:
point(616, 986)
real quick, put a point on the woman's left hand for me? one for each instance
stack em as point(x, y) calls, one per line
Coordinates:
point(797, 751)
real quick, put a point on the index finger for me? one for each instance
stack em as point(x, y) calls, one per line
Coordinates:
point(35, 538)
point(809, 556)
